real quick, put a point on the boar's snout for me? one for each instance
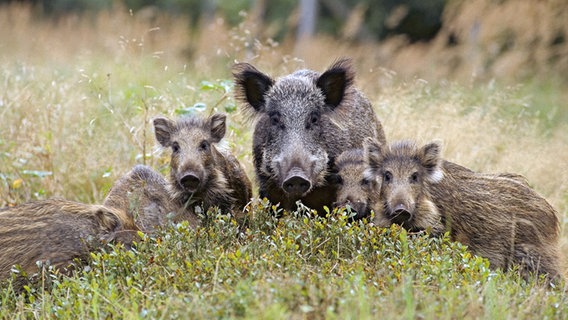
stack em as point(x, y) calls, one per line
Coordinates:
point(400, 209)
point(359, 207)
point(190, 182)
point(400, 214)
point(296, 183)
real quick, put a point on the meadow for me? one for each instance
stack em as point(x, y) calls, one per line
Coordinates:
point(77, 96)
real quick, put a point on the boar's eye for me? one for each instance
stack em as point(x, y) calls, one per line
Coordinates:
point(387, 176)
point(365, 182)
point(314, 118)
point(275, 119)
point(175, 147)
point(414, 177)
point(204, 145)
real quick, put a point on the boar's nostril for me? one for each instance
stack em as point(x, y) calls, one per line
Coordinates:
point(296, 185)
point(400, 214)
point(359, 206)
point(190, 182)
point(400, 208)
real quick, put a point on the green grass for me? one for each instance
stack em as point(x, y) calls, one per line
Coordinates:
point(77, 116)
point(294, 267)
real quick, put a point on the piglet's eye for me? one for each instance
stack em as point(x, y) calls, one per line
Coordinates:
point(387, 176)
point(175, 147)
point(204, 145)
point(414, 177)
point(365, 182)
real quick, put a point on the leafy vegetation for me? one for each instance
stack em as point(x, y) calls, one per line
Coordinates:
point(294, 267)
point(76, 100)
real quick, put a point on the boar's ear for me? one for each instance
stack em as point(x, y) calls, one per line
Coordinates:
point(429, 156)
point(163, 128)
point(335, 80)
point(217, 122)
point(374, 153)
point(251, 85)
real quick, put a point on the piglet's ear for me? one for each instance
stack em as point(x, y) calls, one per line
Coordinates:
point(374, 153)
point(335, 80)
point(251, 86)
point(217, 122)
point(429, 156)
point(163, 128)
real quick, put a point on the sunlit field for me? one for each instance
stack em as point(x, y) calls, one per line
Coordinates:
point(77, 96)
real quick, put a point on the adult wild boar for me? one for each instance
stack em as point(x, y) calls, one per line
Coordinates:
point(498, 217)
point(304, 121)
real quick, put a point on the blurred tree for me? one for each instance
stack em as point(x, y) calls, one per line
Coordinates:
point(351, 19)
point(57, 7)
point(307, 21)
point(378, 19)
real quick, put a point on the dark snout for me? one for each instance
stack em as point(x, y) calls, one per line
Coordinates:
point(296, 183)
point(400, 213)
point(400, 209)
point(190, 182)
point(359, 208)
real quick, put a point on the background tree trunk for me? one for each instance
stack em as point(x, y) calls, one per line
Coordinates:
point(307, 21)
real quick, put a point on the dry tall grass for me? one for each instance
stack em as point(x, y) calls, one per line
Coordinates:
point(76, 96)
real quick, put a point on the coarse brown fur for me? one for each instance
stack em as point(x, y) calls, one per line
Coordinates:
point(355, 188)
point(304, 121)
point(200, 175)
point(498, 217)
point(57, 231)
point(144, 194)
point(360, 190)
